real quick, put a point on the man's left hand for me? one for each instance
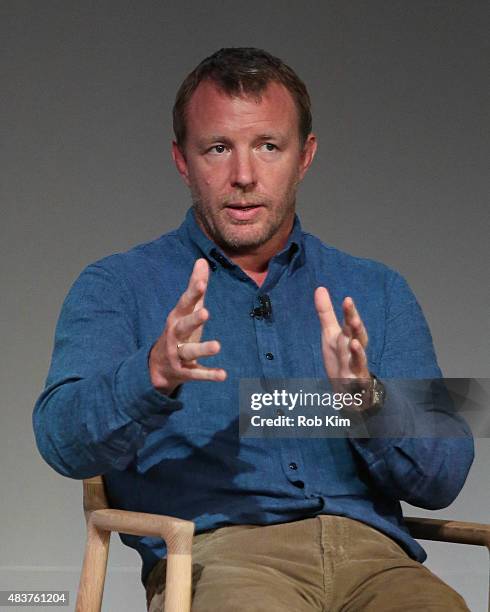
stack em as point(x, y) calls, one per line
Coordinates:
point(343, 347)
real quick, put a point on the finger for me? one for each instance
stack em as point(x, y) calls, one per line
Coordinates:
point(354, 327)
point(196, 288)
point(188, 324)
point(190, 351)
point(326, 313)
point(358, 359)
point(202, 274)
point(198, 372)
point(343, 355)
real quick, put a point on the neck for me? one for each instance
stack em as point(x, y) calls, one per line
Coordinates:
point(255, 261)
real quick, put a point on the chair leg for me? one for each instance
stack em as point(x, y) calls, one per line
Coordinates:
point(94, 569)
point(178, 583)
point(488, 548)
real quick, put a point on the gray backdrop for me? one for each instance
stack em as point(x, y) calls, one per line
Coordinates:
point(400, 95)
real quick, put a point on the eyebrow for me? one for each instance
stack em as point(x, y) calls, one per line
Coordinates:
point(269, 136)
point(212, 138)
point(206, 140)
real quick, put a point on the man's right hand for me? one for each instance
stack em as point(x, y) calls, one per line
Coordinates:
point(169, 365)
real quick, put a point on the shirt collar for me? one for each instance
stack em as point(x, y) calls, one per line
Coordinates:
point(191, 233)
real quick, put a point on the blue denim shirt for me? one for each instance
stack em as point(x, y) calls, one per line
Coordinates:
point(182, 456)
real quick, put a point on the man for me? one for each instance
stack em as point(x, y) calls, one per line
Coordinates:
point(282, 524)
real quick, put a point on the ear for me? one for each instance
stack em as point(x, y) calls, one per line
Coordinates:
point(307, 155)
point(180, 162)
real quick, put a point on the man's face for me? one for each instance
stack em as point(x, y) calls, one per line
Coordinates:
point(242, 161)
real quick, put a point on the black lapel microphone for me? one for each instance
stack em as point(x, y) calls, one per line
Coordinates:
point(265, 308)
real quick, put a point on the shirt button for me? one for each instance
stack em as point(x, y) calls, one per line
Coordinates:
point(293, 466)
point(280, 412)
point(269, 356)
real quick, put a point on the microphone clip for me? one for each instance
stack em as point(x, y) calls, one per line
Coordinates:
point(264, 310)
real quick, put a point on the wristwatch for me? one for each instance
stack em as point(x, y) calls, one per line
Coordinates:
point(378, 394)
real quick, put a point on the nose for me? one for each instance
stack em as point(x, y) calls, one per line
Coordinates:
point(243, 171)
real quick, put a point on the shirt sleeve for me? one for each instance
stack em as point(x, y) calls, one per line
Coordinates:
point(429, 469)
point(98, 404)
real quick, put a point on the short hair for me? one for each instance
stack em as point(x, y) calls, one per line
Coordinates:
point(240, 71)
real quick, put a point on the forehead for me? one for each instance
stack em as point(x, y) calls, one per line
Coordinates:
point(212, 111)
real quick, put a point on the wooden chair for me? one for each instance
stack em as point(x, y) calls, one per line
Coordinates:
point(101, 520)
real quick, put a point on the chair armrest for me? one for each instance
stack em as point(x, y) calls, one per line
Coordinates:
point(459, 532)
point(177, 533)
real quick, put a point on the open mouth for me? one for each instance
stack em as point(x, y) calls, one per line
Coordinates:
point(243, 206)
point(243, 212)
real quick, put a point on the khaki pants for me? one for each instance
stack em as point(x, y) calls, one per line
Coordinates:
point(326, 563)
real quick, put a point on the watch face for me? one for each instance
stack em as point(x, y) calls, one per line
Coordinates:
point(380, 397)
point(378, 393)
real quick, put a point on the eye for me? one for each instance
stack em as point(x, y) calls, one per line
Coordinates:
point(268, 146)
point(217, 149)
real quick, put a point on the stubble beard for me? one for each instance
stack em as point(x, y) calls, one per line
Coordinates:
point(227, 234)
